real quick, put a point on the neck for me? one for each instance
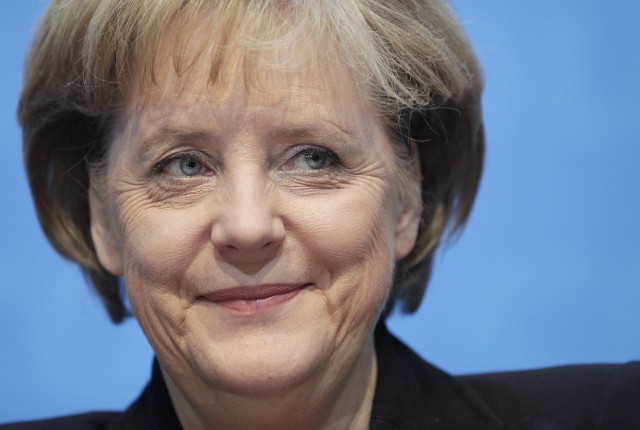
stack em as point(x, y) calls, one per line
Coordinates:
point(332, 400)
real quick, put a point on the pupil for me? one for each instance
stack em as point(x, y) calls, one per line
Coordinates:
point(190, 166)
point(315, 160)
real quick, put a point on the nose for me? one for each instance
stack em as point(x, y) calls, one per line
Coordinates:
point(249, 230)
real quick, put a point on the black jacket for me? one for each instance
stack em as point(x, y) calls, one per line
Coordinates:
point(411, 394)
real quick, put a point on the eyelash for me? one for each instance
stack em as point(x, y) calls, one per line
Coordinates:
point(160, 167)
point(295, 153)
point(291, 155)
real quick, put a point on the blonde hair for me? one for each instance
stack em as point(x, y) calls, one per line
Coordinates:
point(412, 56)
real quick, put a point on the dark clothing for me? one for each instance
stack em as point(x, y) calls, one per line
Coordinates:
point(411, 394)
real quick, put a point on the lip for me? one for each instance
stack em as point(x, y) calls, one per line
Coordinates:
point(249, 299)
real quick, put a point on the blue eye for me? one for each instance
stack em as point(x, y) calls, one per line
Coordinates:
point(190, 166)
point(314, 159)
point(183, 166)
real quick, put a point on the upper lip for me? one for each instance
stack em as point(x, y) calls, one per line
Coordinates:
point(252, 292)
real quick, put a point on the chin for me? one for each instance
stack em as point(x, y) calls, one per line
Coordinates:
point(260, 379)
point(260, 358)
point(265, 371)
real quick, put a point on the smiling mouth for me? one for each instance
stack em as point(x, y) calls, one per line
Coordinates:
point(252, 299)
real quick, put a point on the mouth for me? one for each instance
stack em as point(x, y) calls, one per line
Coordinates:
point(250, 299)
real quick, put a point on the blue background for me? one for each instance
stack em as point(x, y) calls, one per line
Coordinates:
point(546, 272)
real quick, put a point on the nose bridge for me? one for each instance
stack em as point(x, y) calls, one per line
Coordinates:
point(248, 220)
point(250, 200)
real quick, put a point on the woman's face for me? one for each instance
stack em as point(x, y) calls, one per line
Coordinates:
point(256, 225)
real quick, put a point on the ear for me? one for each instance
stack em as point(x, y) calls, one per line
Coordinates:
point(103, 236)
point(408, 217)
point(407, 225)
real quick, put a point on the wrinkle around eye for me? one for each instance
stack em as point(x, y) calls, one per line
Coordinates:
point(369, 174)
point(134, 196)
point(169, 179)
point(310, 186)
point(179, 193)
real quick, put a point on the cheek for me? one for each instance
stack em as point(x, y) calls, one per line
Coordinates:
point(354, 236)
point(350, 236)
point(159, 245)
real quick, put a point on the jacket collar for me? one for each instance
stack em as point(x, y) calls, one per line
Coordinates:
point(410, 394)
point(153, 410)
point(413, 394)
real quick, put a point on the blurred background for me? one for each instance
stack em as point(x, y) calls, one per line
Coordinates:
point(546, 273)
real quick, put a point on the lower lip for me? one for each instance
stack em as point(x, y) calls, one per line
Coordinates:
point(257, 305)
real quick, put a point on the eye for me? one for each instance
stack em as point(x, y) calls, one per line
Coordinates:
point(312, 159)
point(182, 165)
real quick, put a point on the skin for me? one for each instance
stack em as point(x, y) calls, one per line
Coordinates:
point(288, 179)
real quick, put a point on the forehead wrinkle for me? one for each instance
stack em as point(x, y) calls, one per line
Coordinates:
point(291, 99)
point(304, 132)
point(313, 133)
point(164, 136)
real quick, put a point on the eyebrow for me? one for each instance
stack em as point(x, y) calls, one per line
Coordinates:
point(172, 134)
point(310, 132)
point(168, 135)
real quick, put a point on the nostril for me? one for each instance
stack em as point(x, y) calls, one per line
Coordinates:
point(249, 260)
point(271, 244)
point(266, 247)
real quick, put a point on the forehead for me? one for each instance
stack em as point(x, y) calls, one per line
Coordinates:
point(272, 56)
point(245, 80)
point(288, 79)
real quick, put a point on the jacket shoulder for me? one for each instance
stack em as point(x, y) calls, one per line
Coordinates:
point(585, 396)
point(88, 421)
